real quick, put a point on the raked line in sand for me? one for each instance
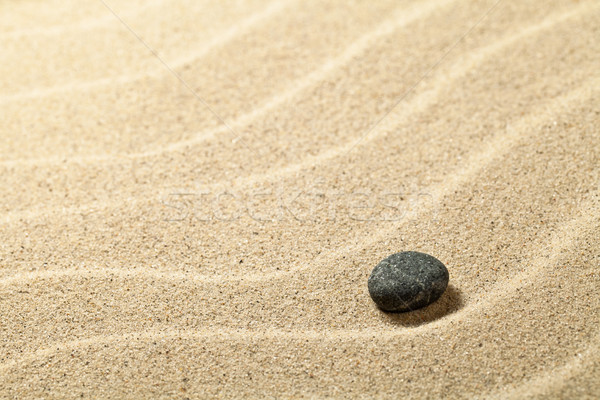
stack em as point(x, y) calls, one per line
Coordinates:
point(544, 383)
point(216, 41)
point(400, 19)
point(457, 354)
point(501, 144)
point(83, 25)
point(419, 104)
point(567, 237)
point(497, 147)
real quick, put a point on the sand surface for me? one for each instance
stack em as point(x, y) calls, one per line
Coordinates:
point(194, 194)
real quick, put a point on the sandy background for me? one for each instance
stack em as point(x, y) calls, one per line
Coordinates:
point(207, 227)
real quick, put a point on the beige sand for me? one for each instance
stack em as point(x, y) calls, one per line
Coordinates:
point(148, 250)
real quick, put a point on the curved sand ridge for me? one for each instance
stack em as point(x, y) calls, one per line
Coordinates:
point(425, 100)
point(102, 294)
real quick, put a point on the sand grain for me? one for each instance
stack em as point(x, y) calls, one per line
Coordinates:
point(148, 251)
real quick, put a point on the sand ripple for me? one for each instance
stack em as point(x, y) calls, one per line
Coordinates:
point(104, 294)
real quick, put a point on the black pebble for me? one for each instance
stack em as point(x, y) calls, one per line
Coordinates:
point(407, 281)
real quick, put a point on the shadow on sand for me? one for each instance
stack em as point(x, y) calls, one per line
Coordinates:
point(450, 302)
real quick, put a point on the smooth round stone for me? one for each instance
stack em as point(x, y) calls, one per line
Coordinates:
point(407, 281)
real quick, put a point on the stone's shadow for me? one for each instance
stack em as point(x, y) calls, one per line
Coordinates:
point(450, 302)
